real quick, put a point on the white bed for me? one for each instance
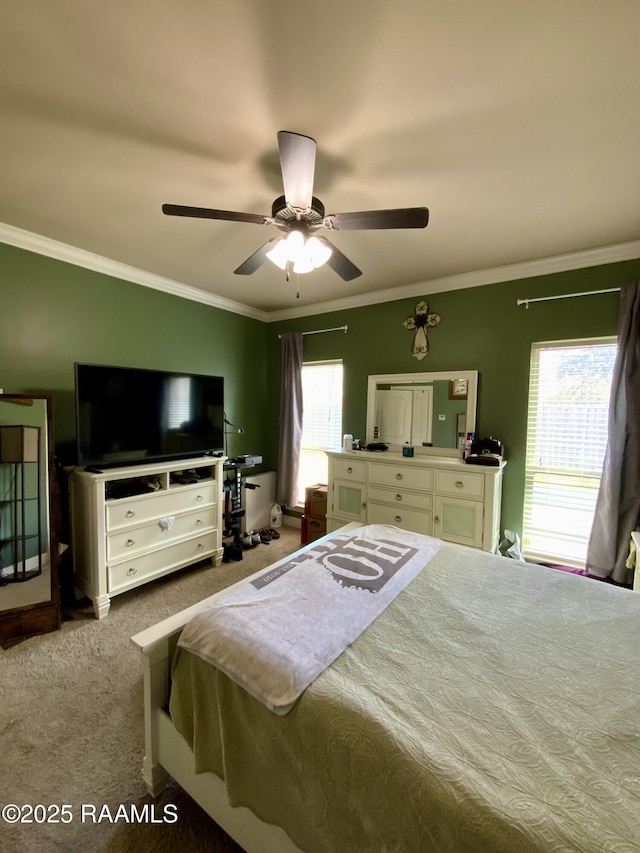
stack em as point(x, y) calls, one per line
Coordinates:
point(492, 706)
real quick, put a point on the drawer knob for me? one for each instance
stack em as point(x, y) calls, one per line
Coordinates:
point(436, 519)
point(198, 522)
point(459, 484)
point(129, 513)
point(398, 497)
point(349, 470)
point(200, 546)
point(364, 505)
point(398, 518)
point(199, 498)
point(398, 476)
point(132, 571)
point(130, 542)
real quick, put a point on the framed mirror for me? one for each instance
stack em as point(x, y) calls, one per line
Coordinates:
point(427, 411)
point(29, 587)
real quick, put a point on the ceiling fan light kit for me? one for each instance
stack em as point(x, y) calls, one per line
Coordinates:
point(299, 214)
point(304, 253)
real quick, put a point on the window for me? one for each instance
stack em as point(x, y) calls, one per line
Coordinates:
point(321, 421)
point(569, 390)
point(179, 401)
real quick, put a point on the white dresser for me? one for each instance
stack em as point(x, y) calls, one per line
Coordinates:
point(134, 524)
point(435, 495)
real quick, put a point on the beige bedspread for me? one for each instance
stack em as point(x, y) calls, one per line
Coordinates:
point(494, 706)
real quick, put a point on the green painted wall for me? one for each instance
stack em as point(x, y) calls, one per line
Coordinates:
point(481, 329)
point(53, 314)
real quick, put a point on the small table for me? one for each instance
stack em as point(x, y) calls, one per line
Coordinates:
point(635, 537)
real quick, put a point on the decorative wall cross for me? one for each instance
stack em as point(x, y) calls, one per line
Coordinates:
point(420, 320)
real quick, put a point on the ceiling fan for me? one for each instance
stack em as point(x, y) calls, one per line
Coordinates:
point(299, 214)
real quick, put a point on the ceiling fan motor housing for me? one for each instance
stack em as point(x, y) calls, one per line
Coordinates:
point(284, 214)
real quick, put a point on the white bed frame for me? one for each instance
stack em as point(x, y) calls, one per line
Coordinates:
point(166, 751)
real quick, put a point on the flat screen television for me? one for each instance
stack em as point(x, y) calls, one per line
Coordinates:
point(128, 416)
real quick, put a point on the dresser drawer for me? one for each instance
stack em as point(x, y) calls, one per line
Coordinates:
point(408, 519)
point(407, 476)
point(133, 540)
point(461, 484)
point(126, 512)
point(349, 469)
point(399, 498)
point(129, 573)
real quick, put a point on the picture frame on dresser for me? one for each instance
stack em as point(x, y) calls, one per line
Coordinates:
point(457, 389)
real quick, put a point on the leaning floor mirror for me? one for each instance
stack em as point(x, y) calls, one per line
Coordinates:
point(29, 585)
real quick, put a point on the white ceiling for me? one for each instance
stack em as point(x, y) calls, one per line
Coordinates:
point(516, 123)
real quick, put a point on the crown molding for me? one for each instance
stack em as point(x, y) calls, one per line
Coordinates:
point(510, 272)
point(22, 239)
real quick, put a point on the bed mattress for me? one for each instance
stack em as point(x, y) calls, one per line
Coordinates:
point(493, 706)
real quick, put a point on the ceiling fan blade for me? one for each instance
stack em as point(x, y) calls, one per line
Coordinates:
point(255, 261)
point(209, 213)
point(298, 164)
point(365, 220)
point(340, 263)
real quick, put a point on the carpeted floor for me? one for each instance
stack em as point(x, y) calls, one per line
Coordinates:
point(71, 722)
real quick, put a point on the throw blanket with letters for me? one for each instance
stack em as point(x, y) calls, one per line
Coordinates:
point(278, 631)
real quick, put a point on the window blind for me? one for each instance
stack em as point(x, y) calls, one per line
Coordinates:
point(567, 427)
point(179, 401)
point(321, 420)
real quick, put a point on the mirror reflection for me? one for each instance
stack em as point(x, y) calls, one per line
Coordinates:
point(428, 411)
point(25, 571)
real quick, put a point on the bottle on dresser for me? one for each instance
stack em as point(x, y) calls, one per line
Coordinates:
point(471, 437)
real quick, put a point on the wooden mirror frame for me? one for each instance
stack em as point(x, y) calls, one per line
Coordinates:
point(17, 623)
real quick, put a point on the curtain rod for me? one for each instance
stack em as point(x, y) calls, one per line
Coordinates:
point(526, 302)
point(344, 329)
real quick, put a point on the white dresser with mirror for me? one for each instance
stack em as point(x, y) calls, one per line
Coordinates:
point(432, 492)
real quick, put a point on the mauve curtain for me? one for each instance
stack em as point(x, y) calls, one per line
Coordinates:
point(290, 418)
point(618, 505)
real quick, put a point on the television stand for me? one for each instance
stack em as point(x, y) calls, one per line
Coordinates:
point(134, 524)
